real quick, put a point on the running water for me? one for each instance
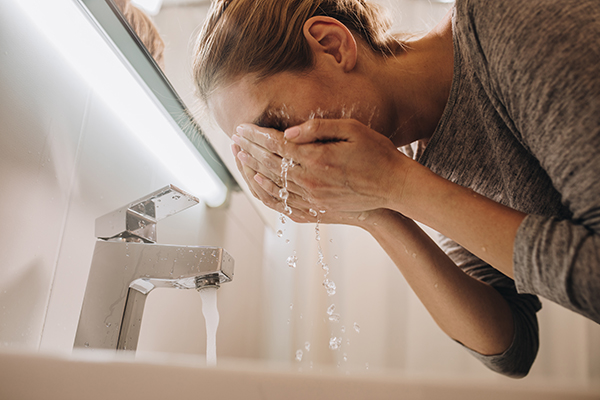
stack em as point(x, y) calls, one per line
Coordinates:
point(211, 316)
point(286, 164)
point(327, 283)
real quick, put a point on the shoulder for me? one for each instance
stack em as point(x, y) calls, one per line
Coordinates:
point(515, 45)
point(516, 22)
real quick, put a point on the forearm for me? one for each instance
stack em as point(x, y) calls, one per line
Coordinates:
point(466, 309)
point(484, 227)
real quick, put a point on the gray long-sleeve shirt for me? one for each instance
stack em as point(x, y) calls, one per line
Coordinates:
point(522, 127)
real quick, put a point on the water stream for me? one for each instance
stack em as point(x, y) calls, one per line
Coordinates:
point(211, 316)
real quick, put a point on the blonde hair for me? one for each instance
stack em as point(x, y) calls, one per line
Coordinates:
point(265, 37)
point(145, 30)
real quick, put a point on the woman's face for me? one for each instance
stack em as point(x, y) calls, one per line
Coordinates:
point(288, 99)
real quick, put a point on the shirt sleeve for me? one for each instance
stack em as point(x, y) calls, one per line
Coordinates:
point(518, 358)
point(539, 66)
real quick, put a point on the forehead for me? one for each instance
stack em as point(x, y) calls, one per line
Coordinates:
point(239, 102)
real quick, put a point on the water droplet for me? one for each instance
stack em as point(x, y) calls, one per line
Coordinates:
point(287, 241)
point(367, 366)
point(299, 355)
point(414, 255)
point(86, 344)
point(345, 357)
point(356, 328)
point(284, 194)
point(279, 233)
point(331, 309)
point(335, 343)
point(307, 346)
point(291, 261)
point(343, 329)
point(291, 306)
point(312, 212)
point(334, 317)
point(108, 325)
point(329, 286)
point(335, 256)
point(483, 249)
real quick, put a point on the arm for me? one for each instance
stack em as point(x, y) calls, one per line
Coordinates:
point(466, 309)
point(484, 227)
point(544, 84)
point(469, 309)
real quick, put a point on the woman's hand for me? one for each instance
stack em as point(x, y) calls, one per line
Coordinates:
point(266, 185)
point(340, 165)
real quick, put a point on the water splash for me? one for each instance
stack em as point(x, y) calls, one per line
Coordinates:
point(291, 261)
point(334, 317)
point(331, 309)
point(335, 343)
point(329, 287)
point(286, 164)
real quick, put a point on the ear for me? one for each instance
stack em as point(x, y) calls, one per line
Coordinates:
point(329, 38)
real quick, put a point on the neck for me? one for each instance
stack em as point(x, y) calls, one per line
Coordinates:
point(418, 83)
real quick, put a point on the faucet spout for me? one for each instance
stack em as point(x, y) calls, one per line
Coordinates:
point(124, 273)
point(127, 266)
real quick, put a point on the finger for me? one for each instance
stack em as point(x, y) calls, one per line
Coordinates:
point(246, 173)
point(321, 130)
point(269, 139)
point(252, 163)
point(270, 163)
point(294, 200)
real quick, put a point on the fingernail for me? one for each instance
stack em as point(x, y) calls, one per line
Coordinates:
point(243, 157)
point(236, 139)
point(259, 179)
point(240, 130)
point(292, 132)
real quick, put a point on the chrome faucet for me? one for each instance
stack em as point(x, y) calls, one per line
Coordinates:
point(128, 264)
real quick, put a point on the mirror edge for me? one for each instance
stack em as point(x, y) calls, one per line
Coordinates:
point(109, 21)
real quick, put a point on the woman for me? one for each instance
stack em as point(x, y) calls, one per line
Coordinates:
point(501, 102)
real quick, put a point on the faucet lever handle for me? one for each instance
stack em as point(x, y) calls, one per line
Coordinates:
point(139, 218)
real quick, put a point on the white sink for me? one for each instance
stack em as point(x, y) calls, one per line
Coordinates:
point(108, 376)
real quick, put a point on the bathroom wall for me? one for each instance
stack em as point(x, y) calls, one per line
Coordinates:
point(66, 159)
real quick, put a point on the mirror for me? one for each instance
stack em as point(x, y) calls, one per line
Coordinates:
point(108, 17)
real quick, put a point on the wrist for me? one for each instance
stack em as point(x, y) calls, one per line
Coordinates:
point(374, 221)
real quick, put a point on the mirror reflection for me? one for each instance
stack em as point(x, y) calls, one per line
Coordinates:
point(394, 331)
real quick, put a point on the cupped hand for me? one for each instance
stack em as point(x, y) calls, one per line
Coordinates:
point(340, 165)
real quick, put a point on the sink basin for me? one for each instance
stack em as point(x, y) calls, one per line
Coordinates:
point(105, 375)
